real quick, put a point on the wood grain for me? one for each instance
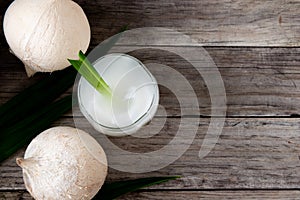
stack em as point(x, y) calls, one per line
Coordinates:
point(257, 156)
point(251, 153)
point(215, 195)
point(15, 195)
point(182, 195)
point(210, 22)
point(230, 23)
point(258, 81)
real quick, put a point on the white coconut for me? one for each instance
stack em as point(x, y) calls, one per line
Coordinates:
point(43, 34)
point(63, 163)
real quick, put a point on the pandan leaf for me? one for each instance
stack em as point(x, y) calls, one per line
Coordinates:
point(113, 190)
point(14, 137)
point(87, 70)
point(35, 97)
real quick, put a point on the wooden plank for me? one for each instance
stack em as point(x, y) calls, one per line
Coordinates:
point(210, 22)
point(182, 195)
point(258, 81)
point(251, 153)
point(14, 195)
point(217, 195)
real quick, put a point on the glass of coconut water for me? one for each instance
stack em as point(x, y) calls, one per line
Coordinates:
point(134, 99)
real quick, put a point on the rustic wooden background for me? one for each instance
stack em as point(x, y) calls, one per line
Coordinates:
point(255, 44)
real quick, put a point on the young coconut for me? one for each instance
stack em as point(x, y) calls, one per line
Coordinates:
point(63, 163)
point(44, 33)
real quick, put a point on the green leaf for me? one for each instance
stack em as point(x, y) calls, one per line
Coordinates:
point(36, 96)
point(92, 76)
point(124, 28)
point(113, 190)
point(87, 70)
point(15, 137)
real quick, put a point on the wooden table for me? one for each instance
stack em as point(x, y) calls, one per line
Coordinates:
point(255, 45)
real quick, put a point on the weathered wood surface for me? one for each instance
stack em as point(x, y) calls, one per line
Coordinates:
point(14, 195)
point(243, 23)
point(257, 156)
point(252, 153)
point(210, 22)
point(258, 81)
point(193, 195)
point(215, 195)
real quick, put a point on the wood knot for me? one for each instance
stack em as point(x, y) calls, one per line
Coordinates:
point(280, 20)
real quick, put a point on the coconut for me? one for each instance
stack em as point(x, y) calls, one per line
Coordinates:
point(63, 163)
point(43, 34)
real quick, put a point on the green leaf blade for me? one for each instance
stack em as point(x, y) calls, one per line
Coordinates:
point(36, 96)
point(87, 70)
point(14, 137)
point(75, 63)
